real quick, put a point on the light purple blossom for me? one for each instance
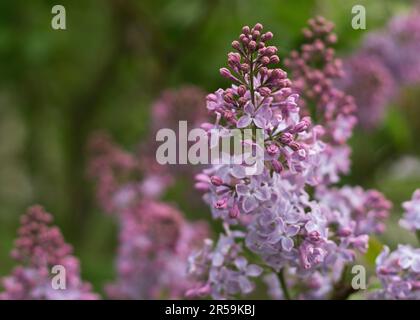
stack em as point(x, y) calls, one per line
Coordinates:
point(39, 247)
point(411, 218)
point(259, 117)
point(399, 273)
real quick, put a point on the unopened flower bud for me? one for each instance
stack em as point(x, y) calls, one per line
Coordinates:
point(277, 167)
point(245, 67)
point(234, 212)
point(264, 91)
point(295, 146)
point(236, 45)
point(265, 60)
point(270, 50)
point(241, 90)
point(272, 149)
point(228, 97)
point(286, 138)
point(274, 59)
point(225, 73)
point(221, 204)
point(258, 27)
point(267, 36)
point(252, 45)
point(216, 181)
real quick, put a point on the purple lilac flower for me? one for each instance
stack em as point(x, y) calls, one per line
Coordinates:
point(371, 84)
point(39, 247)
point(121, 177)
point(223, 270)
point(399, 273)
point(398, 46)
point(314, 69)
point(186, 103)
point(154, 238)
point(411, 218)
point(272, 214)
point(155, 242)
point(354, 210)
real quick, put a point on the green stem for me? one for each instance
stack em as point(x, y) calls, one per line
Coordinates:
point(418, 235)
point(284, 285)
point(251, 84)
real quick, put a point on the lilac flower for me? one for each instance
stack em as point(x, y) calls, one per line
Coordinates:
point(287, 214)
point(355, 210)
point(273, 284)
point(184, 104)
point(369, 81)
point(399, 273)
point(260, 117)
point(411, 218)
point(398, 46)
point(314, 69)
point(224, 271)
point(252, 194)
point(38, 249)
point(155, 241)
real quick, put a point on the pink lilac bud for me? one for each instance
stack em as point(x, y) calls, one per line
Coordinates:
point(216, 181)
point(272, 149)
point(236, 45)
point(274, 59)
point(277, 167)
point(221, 204)
point(258, 27)
point(241, 90)
point(267, 36)
point(286, 138)
point(234, 212)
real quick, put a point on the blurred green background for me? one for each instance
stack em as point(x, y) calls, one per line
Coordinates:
point(105, 70)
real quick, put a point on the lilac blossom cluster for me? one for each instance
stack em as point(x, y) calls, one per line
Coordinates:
point(173, 105)
point(186, 104)
point(397, 47)
point(372, 85)
point(38, 248)
point(154, 237)
point(155, 241)
point(399, 274)
point(315, 70)
point(296, 233)
point(387, 61)
point(411, 218)
point(399, 270)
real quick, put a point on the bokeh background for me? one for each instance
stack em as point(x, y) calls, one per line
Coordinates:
point(112, 62)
